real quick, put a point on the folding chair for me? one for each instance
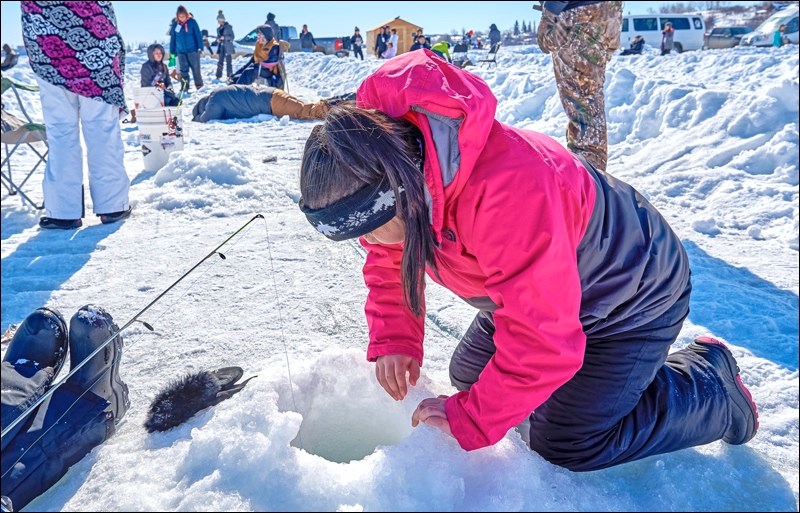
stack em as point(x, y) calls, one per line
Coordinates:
point(491, 57)
point(15, 133)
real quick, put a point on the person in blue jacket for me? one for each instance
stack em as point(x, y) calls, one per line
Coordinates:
point(186, 41)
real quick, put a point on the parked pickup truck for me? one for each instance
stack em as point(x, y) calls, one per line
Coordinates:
point(339, 46)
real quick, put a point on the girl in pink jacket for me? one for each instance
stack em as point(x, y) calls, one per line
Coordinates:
point(580, 284)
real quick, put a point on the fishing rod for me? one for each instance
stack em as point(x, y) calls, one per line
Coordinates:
point(133, 319)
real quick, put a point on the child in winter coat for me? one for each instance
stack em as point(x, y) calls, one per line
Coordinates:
point(390, 51)
point(155, 73)
point(186, 41)
point(580, 283)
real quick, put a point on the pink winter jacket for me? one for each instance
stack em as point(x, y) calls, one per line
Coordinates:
point(509, 209)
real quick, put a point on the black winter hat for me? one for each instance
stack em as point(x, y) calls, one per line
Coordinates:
point(266, 30)
point(270, 16)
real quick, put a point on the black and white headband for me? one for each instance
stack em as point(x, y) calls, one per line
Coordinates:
point(366, 210)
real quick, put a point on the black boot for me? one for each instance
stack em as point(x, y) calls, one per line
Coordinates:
point(40, 341)
point(89, 328)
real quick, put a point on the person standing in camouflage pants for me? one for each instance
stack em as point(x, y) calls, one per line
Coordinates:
point(581, 37)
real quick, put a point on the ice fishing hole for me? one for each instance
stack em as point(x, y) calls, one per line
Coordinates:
point(346, 415)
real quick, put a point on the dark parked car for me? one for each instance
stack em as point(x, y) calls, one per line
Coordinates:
point(724, 37)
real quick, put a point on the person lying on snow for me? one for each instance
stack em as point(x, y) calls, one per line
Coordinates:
point(244, 101)
point(580, 283)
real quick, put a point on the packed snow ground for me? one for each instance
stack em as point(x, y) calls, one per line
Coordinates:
point(711, 138)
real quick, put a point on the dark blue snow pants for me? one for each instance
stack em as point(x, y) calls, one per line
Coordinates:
point(629, 400)
point(40, 450)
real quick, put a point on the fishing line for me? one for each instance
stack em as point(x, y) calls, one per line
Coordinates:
point(280, 322)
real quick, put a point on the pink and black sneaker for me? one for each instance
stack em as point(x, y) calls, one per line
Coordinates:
point(744, 414)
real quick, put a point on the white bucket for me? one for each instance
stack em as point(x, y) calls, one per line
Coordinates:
point(161, 133)
point(147, 98)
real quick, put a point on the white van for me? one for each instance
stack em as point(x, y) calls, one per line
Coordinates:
point(762, 36)
point(689, 30)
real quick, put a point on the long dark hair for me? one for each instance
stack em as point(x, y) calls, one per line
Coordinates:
point(356, 147)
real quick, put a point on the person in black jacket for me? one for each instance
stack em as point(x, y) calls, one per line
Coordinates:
point(307, 42)
point(156, 74)
point(225, 47)
point(420, 43)
point(357, 42)
point(581, 36)
point(637, 45)
point(494, 35)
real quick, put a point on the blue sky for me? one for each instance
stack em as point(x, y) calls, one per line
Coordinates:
point(148, 21)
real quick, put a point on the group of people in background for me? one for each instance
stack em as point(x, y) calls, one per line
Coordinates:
point(187, 42)
point(386, 43)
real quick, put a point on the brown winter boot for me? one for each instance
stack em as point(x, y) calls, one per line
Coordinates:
point(284, 104)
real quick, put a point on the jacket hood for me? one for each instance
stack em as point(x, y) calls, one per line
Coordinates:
point(453, 108)
point(151, 49)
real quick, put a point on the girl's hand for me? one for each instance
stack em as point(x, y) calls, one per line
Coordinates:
point(391, 372)
point(431, 412)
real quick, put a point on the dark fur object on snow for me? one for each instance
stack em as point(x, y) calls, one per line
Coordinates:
point(186, 396)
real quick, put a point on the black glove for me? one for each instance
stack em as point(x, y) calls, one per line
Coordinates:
point(188, 395)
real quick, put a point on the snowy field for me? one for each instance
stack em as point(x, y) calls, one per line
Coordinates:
point(710, 138)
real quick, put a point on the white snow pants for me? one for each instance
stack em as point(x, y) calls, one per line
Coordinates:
point(64, 112)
